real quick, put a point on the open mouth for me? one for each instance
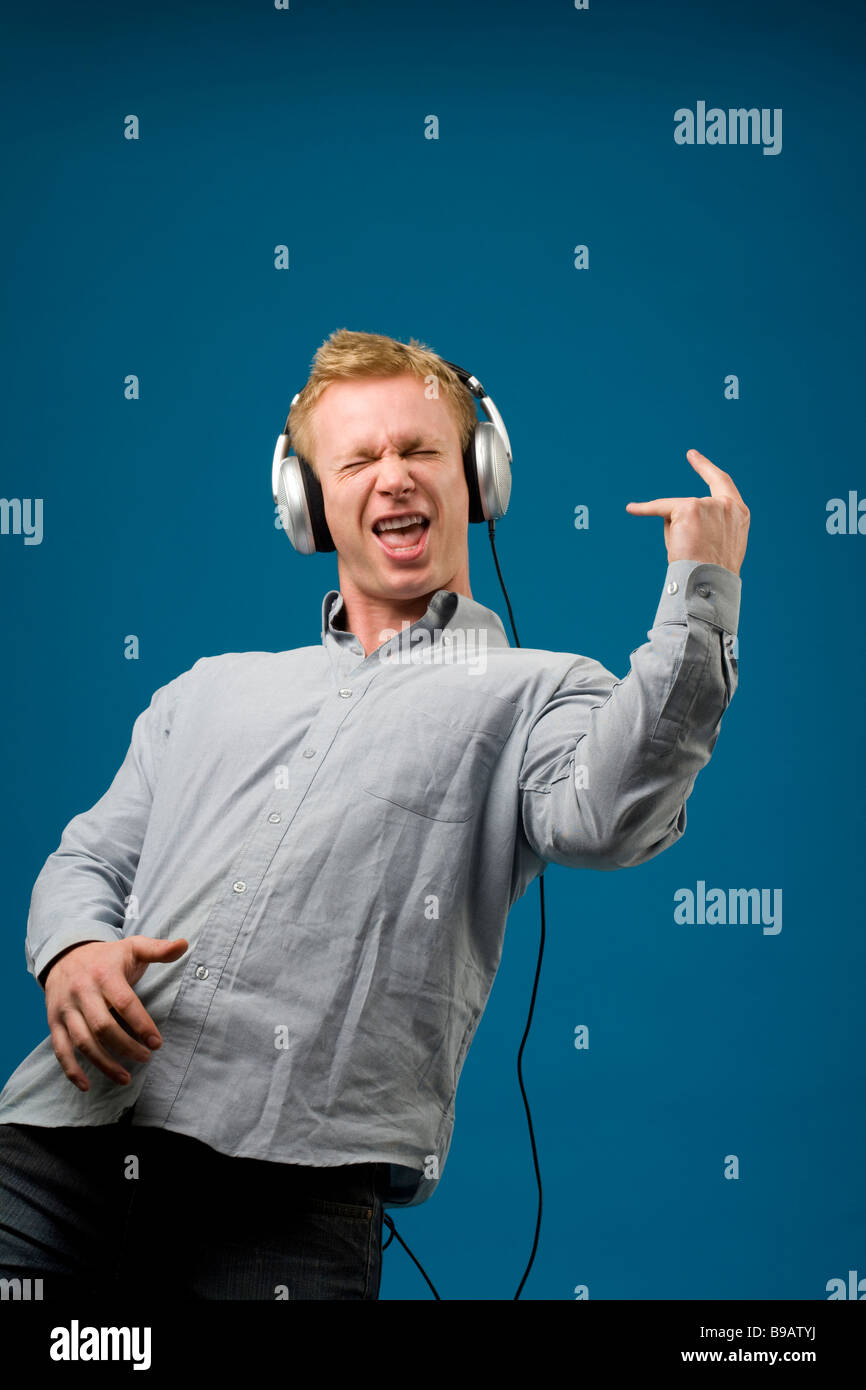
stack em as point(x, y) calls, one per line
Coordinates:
point(403, 537)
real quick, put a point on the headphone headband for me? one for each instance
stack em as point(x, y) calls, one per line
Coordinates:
point(486, 402)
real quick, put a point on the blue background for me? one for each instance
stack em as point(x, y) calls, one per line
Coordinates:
point(156, 257)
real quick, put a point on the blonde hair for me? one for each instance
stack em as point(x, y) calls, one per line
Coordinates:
point(348, 356)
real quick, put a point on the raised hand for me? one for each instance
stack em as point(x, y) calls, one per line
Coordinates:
point(711, 529)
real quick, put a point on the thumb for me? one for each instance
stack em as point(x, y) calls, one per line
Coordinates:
point(156, 948)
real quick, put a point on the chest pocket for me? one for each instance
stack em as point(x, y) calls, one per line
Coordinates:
point(433, 751)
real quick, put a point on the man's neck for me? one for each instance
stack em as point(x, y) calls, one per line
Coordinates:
point(374, 619)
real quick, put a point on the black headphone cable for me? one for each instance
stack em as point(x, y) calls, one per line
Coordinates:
point(491, 526)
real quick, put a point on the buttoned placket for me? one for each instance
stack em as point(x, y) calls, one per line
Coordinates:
point(351, 675)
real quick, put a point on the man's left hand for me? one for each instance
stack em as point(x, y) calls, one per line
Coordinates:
point(712, 529)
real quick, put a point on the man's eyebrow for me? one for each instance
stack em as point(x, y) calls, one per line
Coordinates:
point(407, 444)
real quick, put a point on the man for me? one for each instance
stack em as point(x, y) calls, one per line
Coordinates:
point(266, 949)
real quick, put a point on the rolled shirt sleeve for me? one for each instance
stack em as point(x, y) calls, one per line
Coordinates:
point(609, 764)
point(82, 891)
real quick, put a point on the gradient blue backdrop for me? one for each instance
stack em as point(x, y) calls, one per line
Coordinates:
point(156, 257)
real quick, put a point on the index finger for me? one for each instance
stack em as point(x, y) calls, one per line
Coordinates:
point(129, 1010)
point(659, 506)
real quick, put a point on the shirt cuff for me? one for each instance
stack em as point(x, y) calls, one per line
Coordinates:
point(70, 936)
point(699, 590)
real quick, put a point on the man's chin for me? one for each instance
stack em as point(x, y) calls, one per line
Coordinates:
point(385, 585)
point(382, 581)
point(404, 588)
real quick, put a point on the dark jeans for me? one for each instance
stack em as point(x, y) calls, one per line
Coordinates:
point(193, 1223)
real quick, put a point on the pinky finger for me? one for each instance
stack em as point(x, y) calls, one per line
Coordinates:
point(65, 1054)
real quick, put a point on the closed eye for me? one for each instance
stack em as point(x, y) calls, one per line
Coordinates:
point(415, 453)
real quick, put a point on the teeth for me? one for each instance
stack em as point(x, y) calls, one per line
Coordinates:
point(397, 523)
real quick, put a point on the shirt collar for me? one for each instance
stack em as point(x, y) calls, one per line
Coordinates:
point(446, 610)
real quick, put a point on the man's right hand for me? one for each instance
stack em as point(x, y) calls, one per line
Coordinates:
point(81, 988)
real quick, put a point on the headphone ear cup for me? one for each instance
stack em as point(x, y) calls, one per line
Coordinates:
point(302, 507)
point(491, 471)
point(316, 507)
point(470, 468)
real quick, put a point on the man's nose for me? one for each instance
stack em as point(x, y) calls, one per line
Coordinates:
point(394, 472)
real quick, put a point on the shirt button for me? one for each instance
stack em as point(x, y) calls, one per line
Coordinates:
point(673, 587)
point(239, 886)
point(345, 693)
point(309, 752)
point(202, 972)
point(275, 817)
point(704, 590)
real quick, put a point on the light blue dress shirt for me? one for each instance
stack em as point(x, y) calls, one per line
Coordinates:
point(340, 839)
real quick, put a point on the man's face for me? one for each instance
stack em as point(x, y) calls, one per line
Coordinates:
point(386, 451)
